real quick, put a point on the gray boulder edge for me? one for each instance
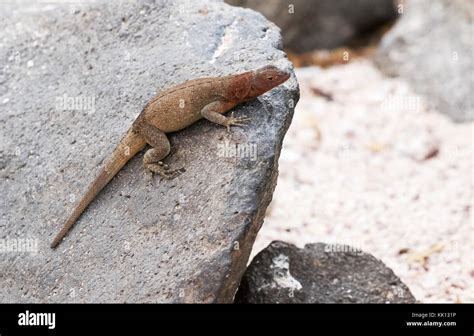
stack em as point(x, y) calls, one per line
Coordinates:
point(184, 240)
point(319, 273)
point(431, 47)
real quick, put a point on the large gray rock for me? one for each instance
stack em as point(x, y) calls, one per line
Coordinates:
point(323, 24)
point(319, 273)
point(431, 47)
point(183, 240)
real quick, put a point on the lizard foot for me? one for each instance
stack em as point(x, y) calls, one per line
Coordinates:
point(236, 121)
point(163, 170)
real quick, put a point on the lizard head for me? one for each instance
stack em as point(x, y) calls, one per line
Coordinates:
point(265, 79)
point(252, 84)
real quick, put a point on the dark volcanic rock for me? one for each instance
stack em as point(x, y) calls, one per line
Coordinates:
point(323, 24)
point(319, 273)
point(73, 79)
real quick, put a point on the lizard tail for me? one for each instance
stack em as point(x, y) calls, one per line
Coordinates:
point(130, 145)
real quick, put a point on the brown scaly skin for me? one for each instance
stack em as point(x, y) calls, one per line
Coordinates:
point(172, 110)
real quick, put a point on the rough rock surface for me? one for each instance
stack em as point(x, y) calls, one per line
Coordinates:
point(431, 47)
point(319, 273)
point(309, 25)
point(184, 240)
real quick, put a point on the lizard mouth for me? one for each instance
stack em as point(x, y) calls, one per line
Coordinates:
point(284, 76)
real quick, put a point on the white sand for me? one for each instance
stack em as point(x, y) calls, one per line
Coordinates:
point(368, 184)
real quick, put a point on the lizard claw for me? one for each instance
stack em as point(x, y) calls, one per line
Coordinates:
point(164, 170)
point(169, 175)
point(237, 121)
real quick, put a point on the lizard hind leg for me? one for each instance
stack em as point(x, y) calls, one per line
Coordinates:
point(154, 156)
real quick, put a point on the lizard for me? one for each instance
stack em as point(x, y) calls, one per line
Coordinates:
point(173, 110)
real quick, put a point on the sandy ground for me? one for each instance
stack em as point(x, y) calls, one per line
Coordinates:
point(384, 173)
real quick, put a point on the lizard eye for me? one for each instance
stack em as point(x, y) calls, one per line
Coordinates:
point(270, 78)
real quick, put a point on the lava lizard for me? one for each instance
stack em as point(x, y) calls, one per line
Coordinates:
point(172, 110)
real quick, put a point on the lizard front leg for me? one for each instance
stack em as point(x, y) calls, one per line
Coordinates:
point(213, 112)
point(161, 148)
